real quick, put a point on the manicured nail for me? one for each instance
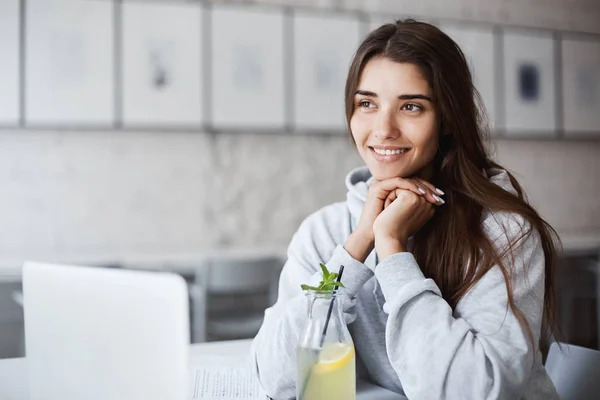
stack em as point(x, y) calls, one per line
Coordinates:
point(439, 191)
point(439, 199)
point(421, 190)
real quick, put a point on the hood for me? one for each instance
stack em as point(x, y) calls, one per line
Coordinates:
point(358, 182)
point(500, 177)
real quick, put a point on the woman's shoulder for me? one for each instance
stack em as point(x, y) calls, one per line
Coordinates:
point(503, 227)
point(510, 230)
point(501, 178)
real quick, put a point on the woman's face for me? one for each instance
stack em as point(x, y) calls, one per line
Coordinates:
point(394, 123)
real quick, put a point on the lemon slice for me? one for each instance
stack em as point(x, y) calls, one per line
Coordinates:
point(333, 357)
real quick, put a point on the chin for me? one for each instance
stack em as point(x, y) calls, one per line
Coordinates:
point(382, 174)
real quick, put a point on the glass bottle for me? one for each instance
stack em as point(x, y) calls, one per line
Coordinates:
point(325, 357)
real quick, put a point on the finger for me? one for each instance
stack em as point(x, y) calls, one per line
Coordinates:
point(393, 195)
point(428, 196)
point(426, 209)
point(421, 199)
point(383, 188)
point(430, 190)
point(431, 212)
point(431, 187)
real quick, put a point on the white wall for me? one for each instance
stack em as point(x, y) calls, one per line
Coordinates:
point(72, 194)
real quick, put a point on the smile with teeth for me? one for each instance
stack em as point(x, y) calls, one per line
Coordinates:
point(389, 152)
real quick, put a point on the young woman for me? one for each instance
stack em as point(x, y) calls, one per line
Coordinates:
point(448, 270)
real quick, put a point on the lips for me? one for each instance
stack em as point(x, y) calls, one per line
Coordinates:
point(389, 154)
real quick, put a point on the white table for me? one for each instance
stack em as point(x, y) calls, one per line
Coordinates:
point(13, 372)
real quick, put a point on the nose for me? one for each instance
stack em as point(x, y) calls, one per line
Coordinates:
point(385, 126)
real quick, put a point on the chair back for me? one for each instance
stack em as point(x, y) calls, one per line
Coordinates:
point(231, 275)
point(575, 371)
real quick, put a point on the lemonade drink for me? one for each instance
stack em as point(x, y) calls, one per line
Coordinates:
point(328, 374)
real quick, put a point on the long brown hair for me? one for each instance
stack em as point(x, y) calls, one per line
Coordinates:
point(460, 170)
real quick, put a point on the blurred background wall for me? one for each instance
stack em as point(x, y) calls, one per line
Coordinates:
point(69, 194)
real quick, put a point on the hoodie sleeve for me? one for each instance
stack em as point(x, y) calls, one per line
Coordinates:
point(274, 347)
point(479, 351)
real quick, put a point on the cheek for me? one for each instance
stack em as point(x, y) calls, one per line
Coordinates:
point(425, 137)
point(430, 148)
point(429, 144)
point(357, 127)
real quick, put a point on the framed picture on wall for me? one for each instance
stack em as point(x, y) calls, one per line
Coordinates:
point(9, 63)
point(529, 81)
point(162, 64)
point(69, 63)
point(247, 67)
point(581, 86)
point(478, 45)
point(323, 49)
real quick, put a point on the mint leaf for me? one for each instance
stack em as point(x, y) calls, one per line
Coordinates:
point(326, 273)
point(327, 284)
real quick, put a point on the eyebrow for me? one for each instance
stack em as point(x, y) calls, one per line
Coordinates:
point(401, 97)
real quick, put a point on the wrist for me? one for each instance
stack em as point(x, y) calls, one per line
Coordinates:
point(385, 247)
point(358, 246)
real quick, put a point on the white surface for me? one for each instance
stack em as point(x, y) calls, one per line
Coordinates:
point(581, 86)
point(162, 38)
point(96, 333)
point(247, 67)
point(9, 62)
point(478, 45)
point(531, 117)
point(13, 372)
point(323, 50)
point(69, 69)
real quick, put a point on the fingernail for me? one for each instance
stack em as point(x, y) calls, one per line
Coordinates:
point(439, 191)
point(439, 199)
point(421, 190)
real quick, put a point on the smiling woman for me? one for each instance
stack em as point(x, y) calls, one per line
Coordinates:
point(448, 271)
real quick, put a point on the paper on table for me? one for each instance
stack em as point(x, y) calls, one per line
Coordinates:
point(226, 383)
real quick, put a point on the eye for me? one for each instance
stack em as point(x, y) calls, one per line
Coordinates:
point(412, 107)
point(365, 104)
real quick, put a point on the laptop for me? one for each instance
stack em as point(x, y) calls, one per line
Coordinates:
point(105, 334)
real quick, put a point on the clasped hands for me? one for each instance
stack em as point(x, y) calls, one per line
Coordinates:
point(395, 210)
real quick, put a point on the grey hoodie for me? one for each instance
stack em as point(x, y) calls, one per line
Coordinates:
point(407, 338)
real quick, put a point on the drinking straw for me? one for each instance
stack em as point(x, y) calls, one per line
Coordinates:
point(330, 309)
